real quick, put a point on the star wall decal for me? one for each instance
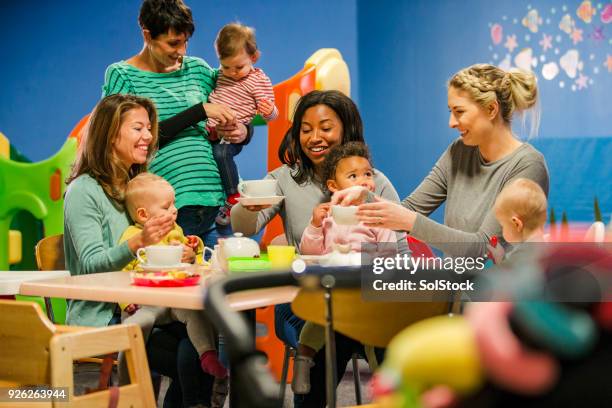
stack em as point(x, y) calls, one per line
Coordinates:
point(576, 35)
point(546, 42)
point(511, 43)
point(582, 81)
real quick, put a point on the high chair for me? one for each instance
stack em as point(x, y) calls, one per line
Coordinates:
point(36, 352)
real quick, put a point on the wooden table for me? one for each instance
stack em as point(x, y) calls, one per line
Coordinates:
point(116, 287)
point(11, 281)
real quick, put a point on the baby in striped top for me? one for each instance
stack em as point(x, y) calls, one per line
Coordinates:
point(247, 91)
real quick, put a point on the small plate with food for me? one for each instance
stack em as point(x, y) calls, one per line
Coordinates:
point(165, 278)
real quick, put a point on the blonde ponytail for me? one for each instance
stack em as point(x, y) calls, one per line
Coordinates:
point(523, 88)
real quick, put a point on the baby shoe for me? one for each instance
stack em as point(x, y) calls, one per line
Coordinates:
point(301, 374)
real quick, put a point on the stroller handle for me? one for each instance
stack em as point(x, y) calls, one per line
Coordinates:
point(256, 386)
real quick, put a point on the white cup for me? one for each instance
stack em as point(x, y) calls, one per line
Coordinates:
point(345, 215)
point(257, 188)
point(161, 255)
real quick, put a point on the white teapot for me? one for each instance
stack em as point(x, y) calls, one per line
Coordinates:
point(236, 246)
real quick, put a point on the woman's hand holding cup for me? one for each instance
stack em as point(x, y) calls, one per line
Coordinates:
point(386, 214)
point(354, 195)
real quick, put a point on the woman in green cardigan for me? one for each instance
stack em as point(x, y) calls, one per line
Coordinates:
point(119, 143)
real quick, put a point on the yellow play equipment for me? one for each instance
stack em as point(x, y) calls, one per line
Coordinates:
point(14, 238)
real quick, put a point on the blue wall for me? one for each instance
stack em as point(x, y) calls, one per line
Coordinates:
point(409, 49)
point(400, 54)
point(55, 54)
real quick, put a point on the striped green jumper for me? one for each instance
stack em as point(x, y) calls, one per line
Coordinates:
point(187, 162)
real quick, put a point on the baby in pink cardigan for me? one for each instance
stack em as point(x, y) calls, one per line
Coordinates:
point(345, 166)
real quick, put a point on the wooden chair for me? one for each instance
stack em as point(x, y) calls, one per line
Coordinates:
point(49, 253)
point(36, 352)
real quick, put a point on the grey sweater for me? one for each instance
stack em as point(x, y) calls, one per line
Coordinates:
point(469, 186)
point(296, 209)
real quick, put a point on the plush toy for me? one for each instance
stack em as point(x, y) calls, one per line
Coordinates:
point(518, 348)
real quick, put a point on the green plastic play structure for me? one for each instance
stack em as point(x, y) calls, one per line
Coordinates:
point(34, 190)
point(37, 188)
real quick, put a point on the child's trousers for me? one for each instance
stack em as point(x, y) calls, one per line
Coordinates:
point(313, 336)
point(200, 330)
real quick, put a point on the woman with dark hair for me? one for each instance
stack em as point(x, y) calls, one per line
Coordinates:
point(179, 86)
point(291, 152)
point(322, 120)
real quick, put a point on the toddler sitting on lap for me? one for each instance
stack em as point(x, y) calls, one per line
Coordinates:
point(148, 195)
point(345, 166)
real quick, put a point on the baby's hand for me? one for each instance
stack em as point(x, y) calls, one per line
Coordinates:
point(131, 308)
point(495, 251)
point(319, 213)
point(192, 241)
point(265, 107)
point(189, 255)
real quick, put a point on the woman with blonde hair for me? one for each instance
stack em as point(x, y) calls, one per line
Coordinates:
point(482, 100)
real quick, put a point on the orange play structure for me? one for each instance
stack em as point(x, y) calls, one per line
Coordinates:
point(324, 70)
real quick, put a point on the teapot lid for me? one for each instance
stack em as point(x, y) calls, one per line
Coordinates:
point(238, 234)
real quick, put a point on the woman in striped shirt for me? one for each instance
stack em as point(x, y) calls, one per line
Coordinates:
point(179, 86)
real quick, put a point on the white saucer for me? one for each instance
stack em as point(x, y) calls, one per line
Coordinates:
point(153, 268)
point(271, 200)
point(313, 259)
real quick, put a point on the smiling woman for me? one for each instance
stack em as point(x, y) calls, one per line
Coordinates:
point(179, 85)
point(322, 119)
point(132, 145)
point(468, 176)
point(116, 148)
point(321, 129)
